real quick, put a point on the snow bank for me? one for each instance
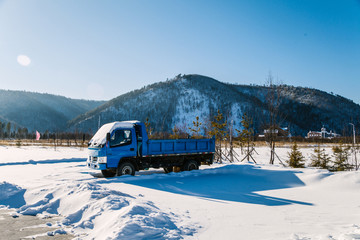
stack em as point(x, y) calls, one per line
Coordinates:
point(92, 211)
point(11, 195)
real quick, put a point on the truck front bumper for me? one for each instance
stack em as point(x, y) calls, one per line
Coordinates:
point(97, 166)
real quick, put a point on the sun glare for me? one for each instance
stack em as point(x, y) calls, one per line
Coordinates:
point(23, 60)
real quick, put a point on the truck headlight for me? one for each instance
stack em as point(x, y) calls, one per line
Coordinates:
point(102, 159)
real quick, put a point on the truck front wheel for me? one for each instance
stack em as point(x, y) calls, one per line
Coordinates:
point(190, 165)
point(126, 168)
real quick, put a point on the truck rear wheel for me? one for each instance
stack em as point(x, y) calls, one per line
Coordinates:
point(126, 168)
point(190, 165)
point(108, 173)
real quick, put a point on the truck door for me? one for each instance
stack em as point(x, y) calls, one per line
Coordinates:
point(138, 140)
point(122, 144)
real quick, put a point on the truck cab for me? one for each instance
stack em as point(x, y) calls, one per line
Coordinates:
point(113, 142)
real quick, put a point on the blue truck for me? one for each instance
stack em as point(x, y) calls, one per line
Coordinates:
point(121, 148)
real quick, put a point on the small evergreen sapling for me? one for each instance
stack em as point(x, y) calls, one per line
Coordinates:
point(320, 158)
point(246, 135)
point(148, 127)
point(218, 126)
point(195, 129)
point(296, 159)
point(176, 133)
point(341, 155)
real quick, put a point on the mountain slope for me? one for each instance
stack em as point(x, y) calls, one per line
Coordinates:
point(174, 102)
point(180, 100)
point(41, 112)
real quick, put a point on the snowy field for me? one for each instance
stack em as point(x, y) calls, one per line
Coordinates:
point(222, 201)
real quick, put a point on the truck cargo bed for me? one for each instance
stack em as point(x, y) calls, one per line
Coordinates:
point(179, 146)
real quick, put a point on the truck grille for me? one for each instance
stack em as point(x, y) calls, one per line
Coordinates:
point(94, 159)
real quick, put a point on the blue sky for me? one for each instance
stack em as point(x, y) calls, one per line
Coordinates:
point(101, 49)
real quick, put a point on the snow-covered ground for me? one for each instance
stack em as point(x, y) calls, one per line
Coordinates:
point(222, 201)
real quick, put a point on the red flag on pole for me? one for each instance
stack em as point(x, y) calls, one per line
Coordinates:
point(37, 136)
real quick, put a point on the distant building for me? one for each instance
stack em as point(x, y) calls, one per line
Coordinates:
point(322, 134)
point(313, 134)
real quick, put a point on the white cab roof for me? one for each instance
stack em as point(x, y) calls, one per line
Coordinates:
point(100, 135)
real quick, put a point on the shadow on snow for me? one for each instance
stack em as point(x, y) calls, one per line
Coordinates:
point(49, 161)
point(239, 183)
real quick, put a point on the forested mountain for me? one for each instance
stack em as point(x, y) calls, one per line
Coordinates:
point(37, 111)
point(178, 101)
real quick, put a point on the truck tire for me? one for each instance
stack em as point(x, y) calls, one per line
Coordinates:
point(126, 168)
point(108, 173)
point(168, 169)
point(190, 165)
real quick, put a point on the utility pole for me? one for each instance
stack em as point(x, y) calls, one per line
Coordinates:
point(354, 150)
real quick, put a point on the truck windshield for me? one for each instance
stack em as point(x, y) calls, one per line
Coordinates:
point(99, 139)
point(120, 137)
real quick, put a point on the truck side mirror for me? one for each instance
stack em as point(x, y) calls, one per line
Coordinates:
point(108, 137)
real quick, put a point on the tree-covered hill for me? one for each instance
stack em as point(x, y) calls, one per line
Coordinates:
point(178, 101)
point(37, 111)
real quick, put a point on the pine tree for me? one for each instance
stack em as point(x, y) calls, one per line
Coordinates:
point(148, 127)
point(195, 129)
point(316, 157)
point(176, 133)
point(218, 131)
point(296, 159)
point(8, 129)
point(46, 135)
point(320, 158)
point(1, 129)
point(246, 135)
point(218, 126)
point(341, 155)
